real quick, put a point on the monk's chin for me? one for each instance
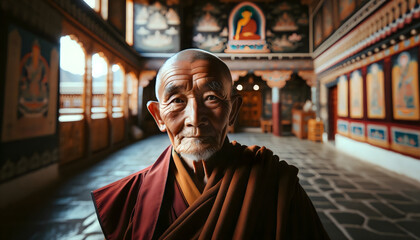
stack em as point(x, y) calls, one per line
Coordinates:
point(196, 150)
point(202, 155)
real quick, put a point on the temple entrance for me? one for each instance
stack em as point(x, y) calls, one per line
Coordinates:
point(254, 106)
point(332, 112)
point(292, 96)
point(250, 114)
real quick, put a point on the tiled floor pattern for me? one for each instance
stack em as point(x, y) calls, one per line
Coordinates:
point(355, 200)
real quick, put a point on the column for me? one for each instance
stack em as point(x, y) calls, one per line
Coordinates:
point(87, 102)
point(276, 111)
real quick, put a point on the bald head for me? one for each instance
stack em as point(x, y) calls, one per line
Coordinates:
point(186, 58)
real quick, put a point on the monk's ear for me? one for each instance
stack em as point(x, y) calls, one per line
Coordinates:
point(153, 108)
point(236, 106)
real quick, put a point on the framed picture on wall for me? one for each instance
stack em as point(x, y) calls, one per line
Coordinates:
point(405, 85)
point(318, 29)
point(375, 89)
point(327, 12)
point(405, 140)
point(157, 29)
point(342, 96)
point(343, 127)
point(346, 8)
point(357, 131)
point(30, 109)
point(378, 135)
point(356, 94)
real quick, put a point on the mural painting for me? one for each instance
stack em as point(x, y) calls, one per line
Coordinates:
point(247, 29)
point(357, 131)
point(342, 127)
point(157, 27)
point(405, 85)
point(328, 25)
point(30, 106)
point(405, 140)
point(342, 98)
point(31, 86)
point(251, 27)
point(317, 29)
point(356, 94)
point(346, 8)
point(377, 135)
point(210, 27)
point(287, 28)
point(375, 91)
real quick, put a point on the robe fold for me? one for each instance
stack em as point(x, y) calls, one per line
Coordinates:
point(250, 194)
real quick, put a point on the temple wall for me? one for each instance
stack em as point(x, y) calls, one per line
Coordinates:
point(367, 62)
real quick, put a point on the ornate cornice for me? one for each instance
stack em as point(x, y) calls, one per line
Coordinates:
point(274, 78)
point(37, 15)
point(309, 76)
point(146, 76)
point(233, 56)
point(367, 9)
point(94, 23)
point(238, 73)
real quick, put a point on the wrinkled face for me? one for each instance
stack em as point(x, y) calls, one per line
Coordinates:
point(195, 107)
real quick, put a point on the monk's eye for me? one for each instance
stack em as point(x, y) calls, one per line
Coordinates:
point(212, 98)
point(177, 100)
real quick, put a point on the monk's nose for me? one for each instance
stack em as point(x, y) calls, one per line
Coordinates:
point(195, 114)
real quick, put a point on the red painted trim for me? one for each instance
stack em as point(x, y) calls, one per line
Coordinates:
point(388, 126)
point(276, 119)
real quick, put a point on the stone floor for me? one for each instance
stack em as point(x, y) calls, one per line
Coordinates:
point(355, 200)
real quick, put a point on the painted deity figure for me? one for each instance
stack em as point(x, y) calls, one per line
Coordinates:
point(342, 96)
point(356, 86)
point(33, 95)
point(375, 92)
point(405, 94)
point(246, 28)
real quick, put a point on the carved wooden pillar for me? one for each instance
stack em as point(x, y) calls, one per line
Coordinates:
point(310, 78)
point(124, 105)
point(144, 79)
point(87, 101)
point(275, 80)
point(108, 97)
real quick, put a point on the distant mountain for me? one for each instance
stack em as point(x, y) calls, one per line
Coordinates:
point(66, 76)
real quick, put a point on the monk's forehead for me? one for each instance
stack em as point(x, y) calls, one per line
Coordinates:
point(193, 69)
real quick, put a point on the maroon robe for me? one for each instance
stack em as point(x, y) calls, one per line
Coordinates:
point(249, 195)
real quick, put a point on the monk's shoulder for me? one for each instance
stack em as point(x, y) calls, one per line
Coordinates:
point(133, 179)
point(120, 186)
point(263, 155)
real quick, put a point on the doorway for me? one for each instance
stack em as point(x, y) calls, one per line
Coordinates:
point(332, 112)
point(250, 113)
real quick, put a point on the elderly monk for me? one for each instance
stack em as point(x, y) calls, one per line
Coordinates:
point(203, 186)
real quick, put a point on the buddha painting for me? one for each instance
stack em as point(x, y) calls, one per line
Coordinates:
point(246, 28)
point(405, 85)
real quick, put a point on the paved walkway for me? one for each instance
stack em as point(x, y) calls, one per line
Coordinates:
point(355, 200)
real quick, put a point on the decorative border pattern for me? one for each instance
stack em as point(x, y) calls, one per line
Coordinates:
point(405, 140)
point(357, 131)
point(343, 127)
point(377, 135)
point(345, 28)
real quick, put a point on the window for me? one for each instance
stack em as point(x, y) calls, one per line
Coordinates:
point(72, 70)
point(117, 91)
point(99, 86)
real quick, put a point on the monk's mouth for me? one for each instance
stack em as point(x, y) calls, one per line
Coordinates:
point(199, 137)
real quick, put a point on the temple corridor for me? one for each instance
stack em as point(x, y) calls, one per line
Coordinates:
point(354, 199)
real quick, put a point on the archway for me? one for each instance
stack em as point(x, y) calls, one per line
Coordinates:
point(255, 104)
